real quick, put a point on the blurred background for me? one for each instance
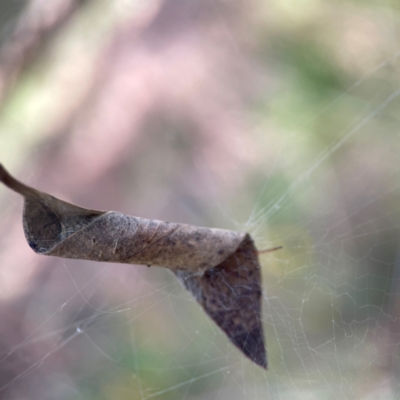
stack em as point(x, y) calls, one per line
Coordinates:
point(278, 117)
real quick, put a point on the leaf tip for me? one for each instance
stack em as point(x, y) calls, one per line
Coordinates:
point(252, 345)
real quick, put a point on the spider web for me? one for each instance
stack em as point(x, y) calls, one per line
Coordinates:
point(331, 295)
point(330, 311)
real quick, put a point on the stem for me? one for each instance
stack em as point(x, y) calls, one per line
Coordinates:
point(269, 250)
point(15, 185)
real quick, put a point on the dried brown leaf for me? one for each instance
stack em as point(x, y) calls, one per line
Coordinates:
point(219, 267)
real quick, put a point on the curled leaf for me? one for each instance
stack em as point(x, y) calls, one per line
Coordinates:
point(219, 267)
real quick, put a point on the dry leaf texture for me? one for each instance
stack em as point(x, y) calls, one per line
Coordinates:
point(219, 267)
